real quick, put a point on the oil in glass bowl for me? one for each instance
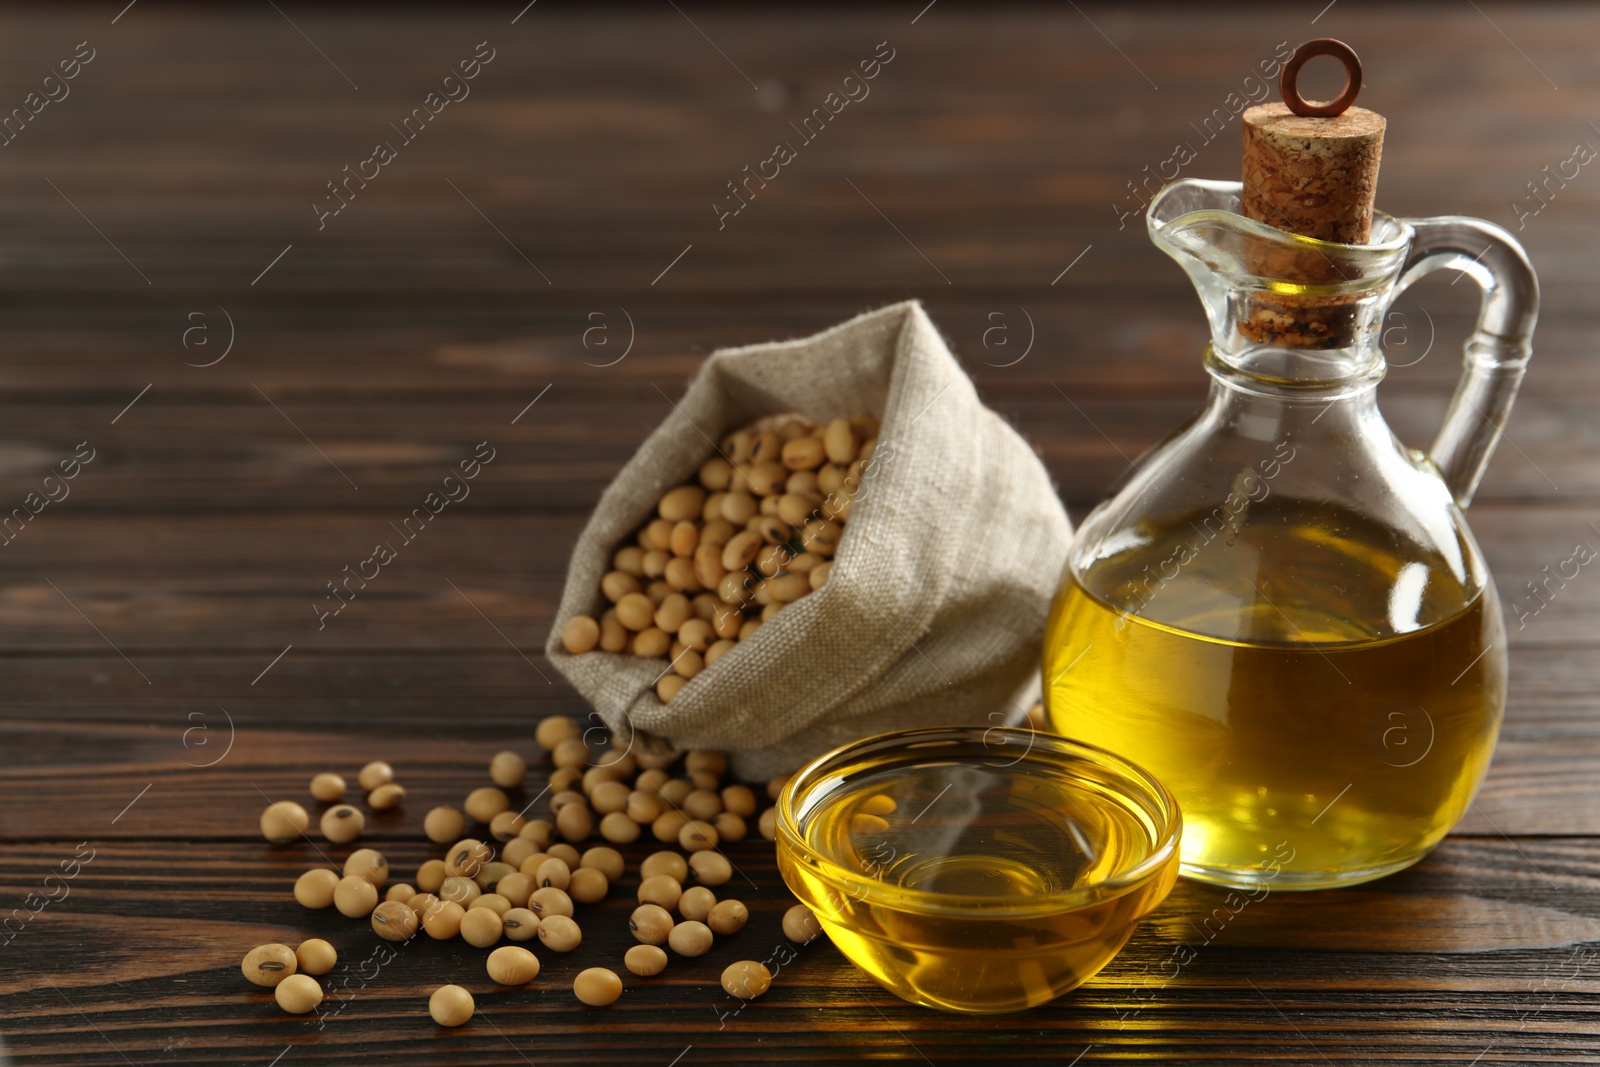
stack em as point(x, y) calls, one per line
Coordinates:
point(977, 870)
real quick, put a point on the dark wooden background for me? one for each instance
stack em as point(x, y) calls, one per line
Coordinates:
point(139, 617)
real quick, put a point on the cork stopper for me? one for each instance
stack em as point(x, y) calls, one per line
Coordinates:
point(1310, 169)
point(1311, 175)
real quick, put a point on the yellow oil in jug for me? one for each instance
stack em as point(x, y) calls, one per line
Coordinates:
point(1326, 726)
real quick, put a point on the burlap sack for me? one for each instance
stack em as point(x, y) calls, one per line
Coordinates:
point(936, 602)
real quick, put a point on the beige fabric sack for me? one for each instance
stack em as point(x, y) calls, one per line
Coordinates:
point(935, 607)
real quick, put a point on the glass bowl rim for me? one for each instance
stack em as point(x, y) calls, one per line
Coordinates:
point(861, 886)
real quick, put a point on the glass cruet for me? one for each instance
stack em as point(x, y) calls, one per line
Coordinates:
point(1282, 613)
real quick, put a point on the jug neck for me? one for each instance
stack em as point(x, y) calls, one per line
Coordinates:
point(1329, 415)
point(1311, 374)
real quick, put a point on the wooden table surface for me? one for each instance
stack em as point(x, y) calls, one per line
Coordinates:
point(263, 389)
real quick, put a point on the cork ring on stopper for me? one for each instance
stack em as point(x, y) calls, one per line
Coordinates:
point(1322, 46)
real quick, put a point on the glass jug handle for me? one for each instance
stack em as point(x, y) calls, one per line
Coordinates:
point(1497, 352)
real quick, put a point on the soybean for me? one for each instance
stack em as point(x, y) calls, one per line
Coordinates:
point(367, 863)
point(315, 956)
point(444, 922)
point(554, 729)
point(705, 759)
point(696, 903)
point(267, 965)
point(697, 835)
point(613, 635)
point(355, 897)
point(642, 807)
point(728, 917)
point(507, 769)
point(342, 824)
point(746, 979)
point(510, 965)
point(550, 901)
point(606, 860)
point(702, 804)
point(375, 774)
point(314, 889)
point(485, 803)
point(450, 1005)
point(581, 633)
point(506, 825)
point(431, 875)
point(566, 796)
point(393, 921)
point(588, 885)
point(597, 987)
point(730, 827)
point(386, 796)
point(668, 863)
point(493, 901)
point(609, 796)
point(660, 889)
point(516, 887)
point(327, 787)
point(619, 829)
point(461, 890)
point(646, 961)
point(518, 849)
point(669, 825)
point(520, 924)
point(690, 938)
point(682, 503)
point(481, 927)
point(574, 822)
point(624, 763)
point(635, 611)
point(284, 821)
point(651, 924)
point(571, 753)
point(553, 872)
point(711, 868)
point(800, 924)
point(565, 778)
point(298, 994)
point(467, 857)
point(491, 874)
point(559, 933)
point(442, 825)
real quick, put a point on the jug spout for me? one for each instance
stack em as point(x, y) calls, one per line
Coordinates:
point(1285, 309)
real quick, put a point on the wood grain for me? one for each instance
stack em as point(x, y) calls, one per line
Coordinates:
point(142, 713)
point(1458, 967)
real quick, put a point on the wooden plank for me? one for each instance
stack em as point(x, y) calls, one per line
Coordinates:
point(1262, 980)
point(184, 597)
point(210, 745)
point(1551, 696)
point(364, 453)
point(1038, 162)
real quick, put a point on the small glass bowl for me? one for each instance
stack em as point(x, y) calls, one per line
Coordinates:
point(977, 870)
